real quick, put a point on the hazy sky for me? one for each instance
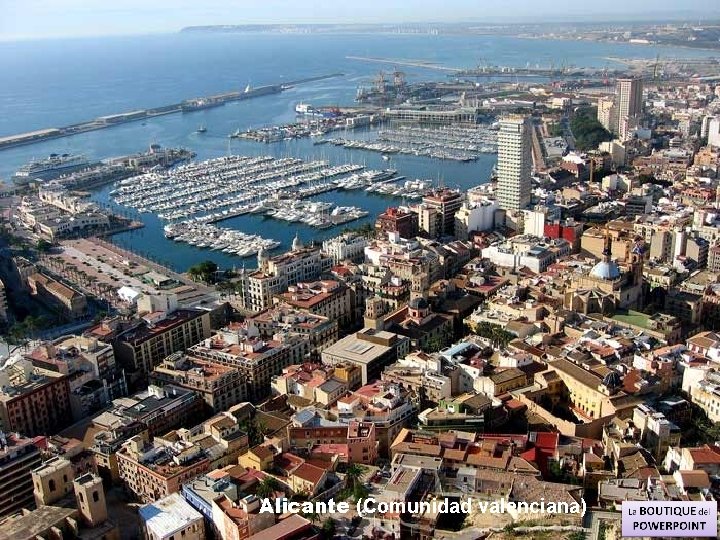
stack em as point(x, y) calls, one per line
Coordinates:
point(51, 18)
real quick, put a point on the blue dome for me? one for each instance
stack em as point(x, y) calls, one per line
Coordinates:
point(605, 270)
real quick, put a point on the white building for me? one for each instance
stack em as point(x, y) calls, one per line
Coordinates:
point(714, 132)
point(514, 162)
point(534, 220)
point(607, 113)
point(172, 518)
point(525, 251)
point(346, 246)
point(616, 151)
point(475, 217)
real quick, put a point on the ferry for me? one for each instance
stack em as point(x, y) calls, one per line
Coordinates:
point(307, 110)
point(51, 167)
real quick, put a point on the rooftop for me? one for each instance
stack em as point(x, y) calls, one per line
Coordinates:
point(169, 515)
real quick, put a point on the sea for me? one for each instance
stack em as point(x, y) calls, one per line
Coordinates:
point(50, 83)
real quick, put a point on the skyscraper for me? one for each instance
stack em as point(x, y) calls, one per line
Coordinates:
point(514, 162)
point(629, 105)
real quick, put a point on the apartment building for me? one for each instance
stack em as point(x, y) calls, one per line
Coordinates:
point(159, 335)
point(219, 386)
point(153, 470)
point(257, 359)
point(18, 457)
point(33, 401)
point(327, 298)
point(371, 350)
point(316, 330)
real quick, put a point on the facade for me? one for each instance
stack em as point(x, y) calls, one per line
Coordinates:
point(514, 162)
point(152, 471)
point(629, 105)
point(159, 335)
point(397, 220)
point(478, 216)
point(714, 132)
point(257, 359)
point(219, 386)
point(607, 113)
point(18, 457)
point(446, 203)
point(275, 274)
point(70, 301)
point(33, 401)
point(327, 298)
point(316, 331)
point(52, 481)
point(345, 247)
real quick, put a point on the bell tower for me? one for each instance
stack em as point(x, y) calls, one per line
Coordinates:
point(91, 499)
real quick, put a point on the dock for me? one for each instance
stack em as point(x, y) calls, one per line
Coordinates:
point(185, 106)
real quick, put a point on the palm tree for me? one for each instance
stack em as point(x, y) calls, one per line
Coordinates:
point(267, 487)
point(353, 474)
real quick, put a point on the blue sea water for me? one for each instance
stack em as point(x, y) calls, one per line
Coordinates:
point(50, 83)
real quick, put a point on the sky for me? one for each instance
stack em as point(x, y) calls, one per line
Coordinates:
point(29, 19)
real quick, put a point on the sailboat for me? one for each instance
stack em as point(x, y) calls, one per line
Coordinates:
point(201, 129)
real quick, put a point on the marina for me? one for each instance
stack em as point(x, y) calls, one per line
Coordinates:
point(222, 188)
point(447, 143)
point(206, 235)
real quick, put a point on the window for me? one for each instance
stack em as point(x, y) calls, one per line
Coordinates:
point(51, 485)
point(96, 497)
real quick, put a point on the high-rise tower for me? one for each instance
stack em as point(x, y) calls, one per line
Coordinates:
point(514, 162)
point(629, 105)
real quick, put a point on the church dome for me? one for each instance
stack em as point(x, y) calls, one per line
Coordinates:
point(297, 243)
point(418, 303)
point(605, 270)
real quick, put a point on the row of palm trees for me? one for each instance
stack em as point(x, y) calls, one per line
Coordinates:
point(75, 275)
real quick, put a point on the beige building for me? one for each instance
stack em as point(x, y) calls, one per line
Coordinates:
point(370, 350)
point(308, 479)
point(588, 394)
point(53, 480)
point(328, 298)
point(70, 301)
point(275, 274)
point(219, 385)
point(152, 471)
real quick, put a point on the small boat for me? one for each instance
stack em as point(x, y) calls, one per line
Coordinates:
point(201, 129)
point(386, 157)
point(235, 135)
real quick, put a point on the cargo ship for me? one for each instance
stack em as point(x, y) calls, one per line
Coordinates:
point(198, 104)
point(51, 167)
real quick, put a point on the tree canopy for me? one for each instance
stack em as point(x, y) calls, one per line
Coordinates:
point(587, 130)
point(204, 271)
